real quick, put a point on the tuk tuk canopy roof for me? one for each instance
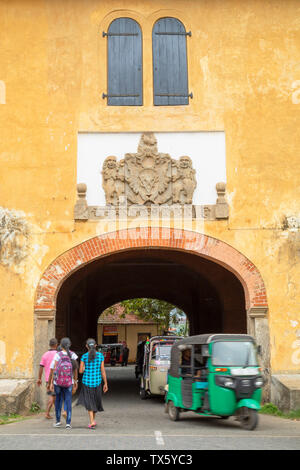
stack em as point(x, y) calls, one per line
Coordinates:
point(209, 337)
point(178, 346)
point(165, 338)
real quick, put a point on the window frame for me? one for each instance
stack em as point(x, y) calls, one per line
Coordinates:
point(110, 95)
point(183, 98)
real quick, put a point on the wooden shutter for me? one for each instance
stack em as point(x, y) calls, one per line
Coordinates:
point(170, 63)
point(124, 63)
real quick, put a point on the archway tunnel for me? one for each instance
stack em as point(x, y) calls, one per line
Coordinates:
point(211, 296)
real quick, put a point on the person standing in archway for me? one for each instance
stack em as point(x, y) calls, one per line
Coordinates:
point(92, 368)
point(125, 354)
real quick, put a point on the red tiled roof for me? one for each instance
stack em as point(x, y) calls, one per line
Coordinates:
point(115, 317)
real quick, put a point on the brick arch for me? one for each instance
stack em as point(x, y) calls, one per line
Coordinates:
point(196, 243)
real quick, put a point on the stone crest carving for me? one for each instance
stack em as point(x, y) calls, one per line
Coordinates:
point(148, 177)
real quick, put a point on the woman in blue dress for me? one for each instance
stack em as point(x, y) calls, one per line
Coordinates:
point(92, 368)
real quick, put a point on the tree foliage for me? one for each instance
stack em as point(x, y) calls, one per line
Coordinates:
point(160, 311)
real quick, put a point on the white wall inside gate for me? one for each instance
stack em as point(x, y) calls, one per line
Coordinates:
point(206, 149)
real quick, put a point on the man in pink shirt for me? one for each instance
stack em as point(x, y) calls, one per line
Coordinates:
point(45, 363)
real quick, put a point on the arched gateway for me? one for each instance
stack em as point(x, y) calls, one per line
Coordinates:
point(156, 260)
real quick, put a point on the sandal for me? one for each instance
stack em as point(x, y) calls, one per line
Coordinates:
point(91, 426)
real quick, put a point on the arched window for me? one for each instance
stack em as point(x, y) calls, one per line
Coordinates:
point(170, 76)
point(124, 50)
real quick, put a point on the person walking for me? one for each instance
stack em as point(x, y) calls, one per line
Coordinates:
point(45, 364)
point(92, 368)
point(63, 380)
point(64, 413)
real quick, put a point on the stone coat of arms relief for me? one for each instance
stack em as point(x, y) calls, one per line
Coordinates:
point(148, 177)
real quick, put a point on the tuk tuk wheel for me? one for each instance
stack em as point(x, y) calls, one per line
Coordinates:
point(173, 411)
point(248, 418)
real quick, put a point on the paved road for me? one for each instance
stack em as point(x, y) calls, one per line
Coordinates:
point(130, 423)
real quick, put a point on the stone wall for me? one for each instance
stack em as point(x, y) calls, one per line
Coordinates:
point(16, 396)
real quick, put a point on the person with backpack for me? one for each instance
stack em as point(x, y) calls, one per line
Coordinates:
point(63, 380)
point(65, 408)
point(92, 368)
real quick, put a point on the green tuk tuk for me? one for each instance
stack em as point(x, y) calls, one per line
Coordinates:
point(215, 375)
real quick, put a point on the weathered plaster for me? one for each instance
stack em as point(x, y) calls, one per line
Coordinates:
point(14, 235)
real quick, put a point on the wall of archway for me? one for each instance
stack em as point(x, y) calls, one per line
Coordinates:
point(196, 285)
point(186, 241)
point(103, 245)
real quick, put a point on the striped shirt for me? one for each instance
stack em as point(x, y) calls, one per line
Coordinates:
point(92, 371)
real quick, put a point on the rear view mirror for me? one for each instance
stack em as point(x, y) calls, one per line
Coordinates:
point(259, 350)
point(205, 350)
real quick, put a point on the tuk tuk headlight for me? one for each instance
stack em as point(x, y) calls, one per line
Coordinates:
point(259, 382)
point(228, 383)
point(224, 381)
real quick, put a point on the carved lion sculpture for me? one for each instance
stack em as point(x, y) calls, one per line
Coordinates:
point(184, 181)
point(109, 177)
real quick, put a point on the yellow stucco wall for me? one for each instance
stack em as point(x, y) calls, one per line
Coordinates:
point(243, 62)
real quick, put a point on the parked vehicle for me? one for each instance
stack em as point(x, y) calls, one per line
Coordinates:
point(112, 353)
point(156, 362)
point(215, 374)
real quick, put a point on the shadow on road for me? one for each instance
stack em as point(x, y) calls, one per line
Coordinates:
point(124, 395)
point(124, 387)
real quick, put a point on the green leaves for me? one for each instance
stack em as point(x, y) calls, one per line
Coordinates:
point(160, 311)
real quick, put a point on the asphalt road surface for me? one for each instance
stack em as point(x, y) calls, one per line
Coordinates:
point(129, 423)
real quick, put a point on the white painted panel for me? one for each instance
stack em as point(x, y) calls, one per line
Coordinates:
point(206, 149)
point(2, 353)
